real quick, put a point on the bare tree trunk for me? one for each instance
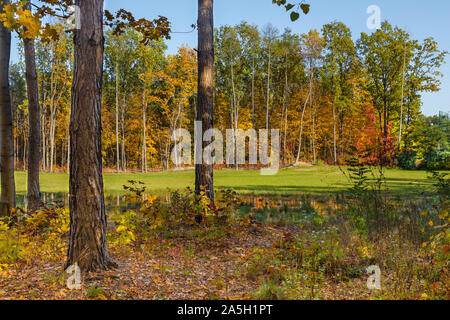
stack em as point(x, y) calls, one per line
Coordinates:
point(8, 196)
point(205, 101)
point(87, 238)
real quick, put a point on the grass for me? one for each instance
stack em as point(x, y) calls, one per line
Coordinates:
point(310, 180)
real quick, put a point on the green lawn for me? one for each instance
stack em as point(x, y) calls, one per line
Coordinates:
point(287, 181)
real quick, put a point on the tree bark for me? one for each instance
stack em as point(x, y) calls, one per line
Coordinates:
point(401, 102)
point(117, 117)
point(334, 119)
point(87, 238)
point(303, 114)
point(253, 93)
point(8, 193)
point(268, 91)
point(34, 138)
point(144, 131)
point(204, 172)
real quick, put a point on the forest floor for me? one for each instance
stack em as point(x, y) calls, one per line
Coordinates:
point(177, 269)
point(253, 264)
point(308, 179)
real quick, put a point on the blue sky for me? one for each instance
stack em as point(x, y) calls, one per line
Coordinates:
point(420, 18)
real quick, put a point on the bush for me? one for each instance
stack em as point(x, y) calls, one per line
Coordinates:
point(437, 159)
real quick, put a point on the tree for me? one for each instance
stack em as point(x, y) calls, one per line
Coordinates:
point(230, 70)
point(87, 238)
point(290, 72)
point(121, 60)
point(270, 35)
point(339, 61)
point(421, 75)
point(382, 54)
point(205, 98)
point(312, 46)
point(177, 84)
point(8, 193)
point(18, 17)
point(150, 58)
point(250, 39)
point(34, 141)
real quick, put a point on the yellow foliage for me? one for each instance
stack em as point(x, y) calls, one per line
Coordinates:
point(16, 18)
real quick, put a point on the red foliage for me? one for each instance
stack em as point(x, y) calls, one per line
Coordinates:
point(373, 146)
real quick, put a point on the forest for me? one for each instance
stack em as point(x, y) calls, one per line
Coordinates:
point(319, 89)
point(93, 205)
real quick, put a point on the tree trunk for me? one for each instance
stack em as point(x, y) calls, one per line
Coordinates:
point(144, 131)
point(284, 113)
point(235, 119)
point(334, 120)
point(8, 196)
point(268, 92)
point(52, 134)
point(253, 93)
point(122, 143)
point(204, 172)
point(117, 117)
point(301, 120)
point(314, 135)
point(401, 103)
point(87, 238)
point(34, 138)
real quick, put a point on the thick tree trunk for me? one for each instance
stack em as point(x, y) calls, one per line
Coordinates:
point(87, 238)
point(204, 172)
point(8, 196)
point(34, 138)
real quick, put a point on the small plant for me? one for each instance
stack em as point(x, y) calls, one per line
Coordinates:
point(94, 292)
point(269, 290)
point(441, 183)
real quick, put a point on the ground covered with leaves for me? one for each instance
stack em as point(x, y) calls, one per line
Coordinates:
point(182, 247)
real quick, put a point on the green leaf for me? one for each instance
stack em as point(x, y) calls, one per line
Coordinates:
point(289, 6)
point(294, 16)
point(305, 8)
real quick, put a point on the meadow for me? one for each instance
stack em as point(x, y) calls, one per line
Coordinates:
point(297, 180)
